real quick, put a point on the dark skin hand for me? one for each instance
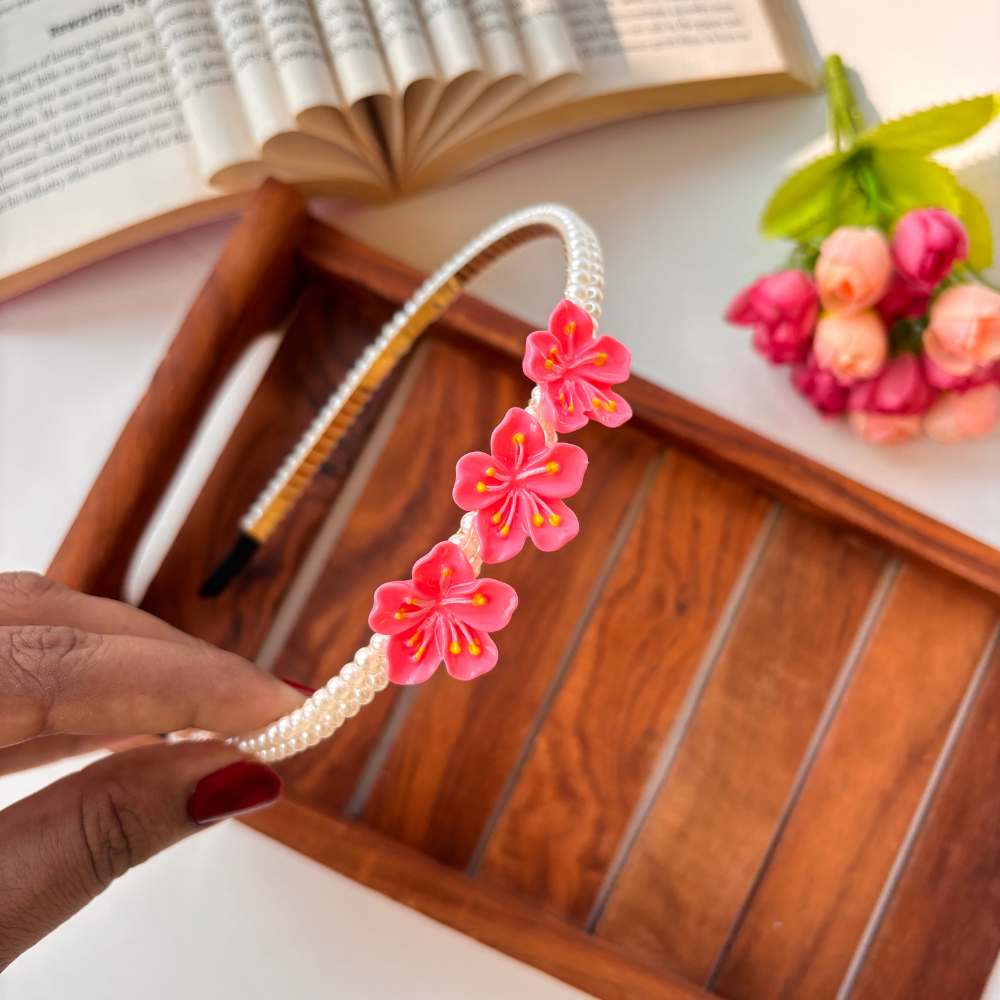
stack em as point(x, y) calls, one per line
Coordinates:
point(78, 673)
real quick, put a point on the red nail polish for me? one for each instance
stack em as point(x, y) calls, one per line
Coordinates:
point(238, 788)
point(304, 688)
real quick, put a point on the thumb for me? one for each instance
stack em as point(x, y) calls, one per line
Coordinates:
point(65, 845)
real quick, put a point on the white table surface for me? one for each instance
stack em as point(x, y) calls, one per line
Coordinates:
point(674, 199)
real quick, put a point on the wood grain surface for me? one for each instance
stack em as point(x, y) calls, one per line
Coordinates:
point(249, 291)
point(404, 510)
point(825, 875)
point(557, 834)
point(709, 829)
point(940, 935)
point(459, 742)
point(516, 928)
point(330, 329)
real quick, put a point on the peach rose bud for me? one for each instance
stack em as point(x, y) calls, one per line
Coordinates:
point(852, 346)
point(853, 269)
point(885, 428)
point(964, 329)
point(957, 416)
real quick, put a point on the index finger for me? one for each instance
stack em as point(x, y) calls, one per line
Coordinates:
point(55, 679)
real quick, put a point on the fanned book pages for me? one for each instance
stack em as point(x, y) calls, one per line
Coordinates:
point(123, 119)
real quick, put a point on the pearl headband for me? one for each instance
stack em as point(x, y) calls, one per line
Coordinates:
point(517, 491)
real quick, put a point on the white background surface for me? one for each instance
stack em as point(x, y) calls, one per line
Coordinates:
point(674, 200)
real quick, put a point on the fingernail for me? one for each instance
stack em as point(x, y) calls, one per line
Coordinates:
point(304, 688)
point(237, 788)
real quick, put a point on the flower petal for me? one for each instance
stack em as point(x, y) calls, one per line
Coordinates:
point(496, 547)
point(411, 659)
point(392, 599)
point(562, 406)
point(613, 412)
point(567, 463)
point(518, 429)
point(471, 472)
point(538, 349)
point(466, 665)
point(572, 325)
point(549, 536)
point(488, 605)
point(442, 567)
point(603, 360)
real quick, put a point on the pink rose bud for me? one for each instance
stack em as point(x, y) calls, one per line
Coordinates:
point(782, 310)
point(958, 416)
point(964, 330)
point(926, 242)
point(941, 379)
point(853, 269)
point(902, 301)
point(822, 388)
point(901, 387)
point(852, 346)
point(885, 428)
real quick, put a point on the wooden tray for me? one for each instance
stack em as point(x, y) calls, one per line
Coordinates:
point(744, 737)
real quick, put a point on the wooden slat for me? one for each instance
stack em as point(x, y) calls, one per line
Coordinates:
point(404, 510)
point(826, 873)
point(718, 810)
point(594, 751)
point(331, 328)
point(250, 289)
point(460, 741)
point(795, 477)
point(498, 920)
point(940, 935)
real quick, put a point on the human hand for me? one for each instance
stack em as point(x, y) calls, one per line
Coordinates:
point(78, 673)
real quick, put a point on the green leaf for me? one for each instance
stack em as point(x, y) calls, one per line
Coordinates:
point(911, 181)
point(800, 208)
point(971, 212)
point(935, 128)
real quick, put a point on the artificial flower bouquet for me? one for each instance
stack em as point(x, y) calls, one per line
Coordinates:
point(882, 312)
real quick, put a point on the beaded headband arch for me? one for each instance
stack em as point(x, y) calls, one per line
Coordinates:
point(445, 612)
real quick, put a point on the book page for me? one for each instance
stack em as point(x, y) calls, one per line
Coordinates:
point(628, 44)
point(92, 138)
point(461, 68)
point(412, 71)
point(206, 90)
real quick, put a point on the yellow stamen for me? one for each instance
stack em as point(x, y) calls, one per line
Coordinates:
point(551, 468)
point(414, 639)
point(555, 520)
point(562, 397)
point(600, 359)
point(455, 647)
point(518, 439)
point(505, 530)
point(610, 407)
point(537, 520)
point(446, 571)
point(569, 329)
point(550, 364)
point(491, 471)
point(478, 600)
point(420, 652)
point(553, 352)
point(475, 648)
point(497, 517)
point(570, 407)
point(400, 615)
point(597, 403)
point(481, 487)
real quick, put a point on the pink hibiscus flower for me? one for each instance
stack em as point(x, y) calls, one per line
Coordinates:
point(518, 490)
point(442, 613)
point(575, 372)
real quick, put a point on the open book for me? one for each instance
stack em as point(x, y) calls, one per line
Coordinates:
point(123, 119)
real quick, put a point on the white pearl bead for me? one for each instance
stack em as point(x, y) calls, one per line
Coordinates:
point(333, 716)
point(284, 727)
point(296, 719)
point(336, 687)
point(349, 703)
point(320, 698)
point(363, 657)
point(352, 675)
point(378, 642)
point(380, 680)
point(366, 693)
point(244, 746)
